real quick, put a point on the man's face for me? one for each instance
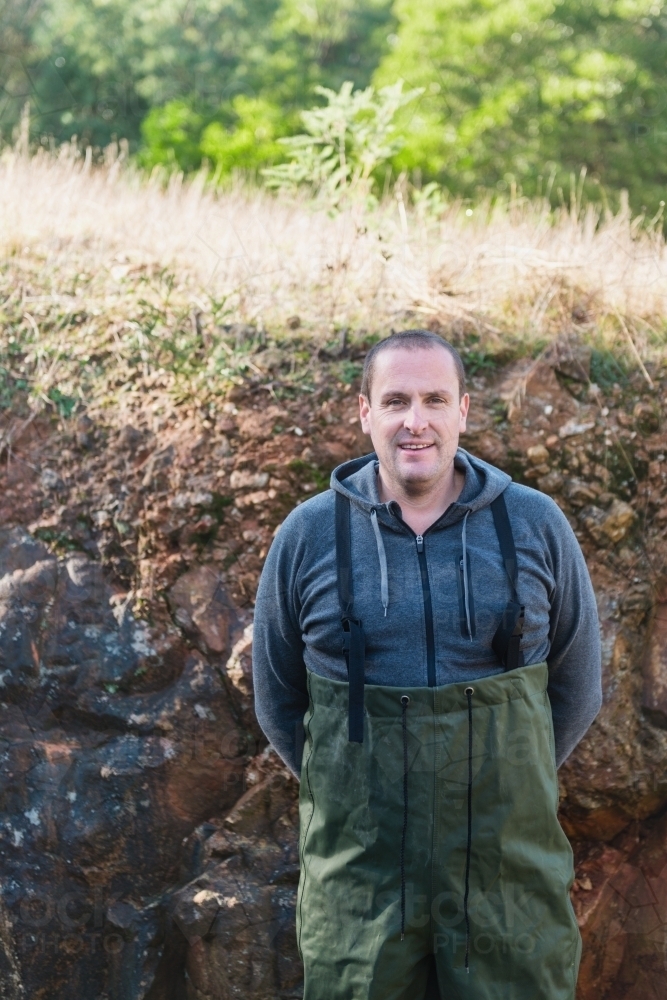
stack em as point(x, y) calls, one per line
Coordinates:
point(415, 415)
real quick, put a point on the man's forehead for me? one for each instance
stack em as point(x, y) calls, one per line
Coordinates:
point(424, 369)
point(416, 360)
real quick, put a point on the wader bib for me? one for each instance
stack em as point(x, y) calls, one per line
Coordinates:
point(432, 860)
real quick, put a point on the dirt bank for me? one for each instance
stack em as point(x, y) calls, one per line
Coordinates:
point(148, 846)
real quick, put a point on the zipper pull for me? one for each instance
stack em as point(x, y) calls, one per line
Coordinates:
point(420, 543)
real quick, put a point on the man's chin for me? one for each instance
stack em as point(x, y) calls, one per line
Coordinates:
point(420, 462)
point(416, 474)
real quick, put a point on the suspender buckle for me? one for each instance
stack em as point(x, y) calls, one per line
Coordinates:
point(347, 632)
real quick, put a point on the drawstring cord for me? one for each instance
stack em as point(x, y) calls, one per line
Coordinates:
point(469, 691)
point(405, 701)
point(382, 556)
point(466, 585)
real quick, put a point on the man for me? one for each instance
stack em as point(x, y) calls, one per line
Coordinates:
point(433, 628)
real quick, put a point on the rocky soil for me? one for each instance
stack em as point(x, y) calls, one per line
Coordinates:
point(148, 835)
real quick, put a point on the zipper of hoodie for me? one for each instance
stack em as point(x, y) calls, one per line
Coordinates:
point(426, 597)
point(428, 611)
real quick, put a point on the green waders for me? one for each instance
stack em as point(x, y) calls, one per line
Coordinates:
point(523, 941)
point(430, 843)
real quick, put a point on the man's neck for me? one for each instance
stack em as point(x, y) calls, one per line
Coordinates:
point(421, 511)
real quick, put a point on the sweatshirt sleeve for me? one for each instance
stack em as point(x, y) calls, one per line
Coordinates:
point(575, 684)
point(279, 672)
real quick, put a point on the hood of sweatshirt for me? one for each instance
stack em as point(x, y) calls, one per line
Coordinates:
point(357, 480)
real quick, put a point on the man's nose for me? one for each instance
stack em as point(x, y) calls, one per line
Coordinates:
point(415, 420)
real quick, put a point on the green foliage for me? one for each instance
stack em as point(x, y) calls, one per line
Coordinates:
point(219, 504)
point(607, 368)
point(429, 201)
point(172, 136)
point(176, 135)
point(18, 54)
point(318, 477)
point(98, 68)
point(349, 371)
point(58, 541)
point(251, 142)
point(64, 404)
point(477, 359)
point(345, 141)
point(514, 91)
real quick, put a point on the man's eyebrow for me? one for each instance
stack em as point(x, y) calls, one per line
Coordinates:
point(393, 393)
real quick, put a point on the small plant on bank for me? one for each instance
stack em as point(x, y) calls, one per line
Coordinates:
point(345, 143)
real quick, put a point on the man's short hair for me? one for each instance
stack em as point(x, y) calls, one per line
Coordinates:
point(410, 340)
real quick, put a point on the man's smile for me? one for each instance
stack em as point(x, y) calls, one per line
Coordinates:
point(415, 447)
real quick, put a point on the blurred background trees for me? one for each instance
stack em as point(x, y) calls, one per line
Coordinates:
point(513, 94)
point(519, 91)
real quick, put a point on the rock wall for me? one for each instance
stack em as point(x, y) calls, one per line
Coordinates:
point(148, 844)
point(117, 739)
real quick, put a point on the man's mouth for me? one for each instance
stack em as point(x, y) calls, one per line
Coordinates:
point(415, 447)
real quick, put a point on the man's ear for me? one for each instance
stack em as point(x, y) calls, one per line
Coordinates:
point(464, 405)
point(364, 411)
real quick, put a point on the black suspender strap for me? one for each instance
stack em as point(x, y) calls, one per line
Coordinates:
point(354, 645)
point(506, 539)
point(507, 640)
point(344, 556)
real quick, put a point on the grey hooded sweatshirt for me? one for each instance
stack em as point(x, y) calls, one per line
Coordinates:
point(424, 623)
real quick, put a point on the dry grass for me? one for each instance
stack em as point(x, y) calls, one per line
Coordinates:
point(101, 265)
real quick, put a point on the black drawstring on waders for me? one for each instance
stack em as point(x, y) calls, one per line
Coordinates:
point(405, 701)
point(469, 691)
